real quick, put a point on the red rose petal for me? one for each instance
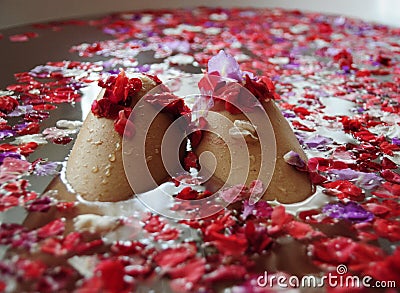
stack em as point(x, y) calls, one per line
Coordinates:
point(7, 104)
point(387, 229)
point(171, 257)
point(154, 224)
point(111, 273)
point(167, 234)
point(56, 227)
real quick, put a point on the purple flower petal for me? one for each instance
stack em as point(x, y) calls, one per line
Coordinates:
point(259, 209)
point(225, 65)
point(344, 174)
point(396, 141)
point(178, 46)
point(9, 155)
point(293, 158)
point(317, 141)
point(46, 169)
point(300, 137)
point(144, 68)
point(364, 180)
point(20, 126)
point(368, 181)
point(109, 31)
point(21, 110)
point(5, 133)
point(288, 114)
point(348, 211)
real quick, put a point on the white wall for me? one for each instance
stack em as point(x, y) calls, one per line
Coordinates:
point(17, 12)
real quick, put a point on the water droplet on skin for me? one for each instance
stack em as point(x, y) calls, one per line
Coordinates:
point(95, 169)
point(108, 172)
point(91, 130)
point(117, 146)
point(104, 181)
point(89, 140)
point(111, 157)
point(149, 158)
